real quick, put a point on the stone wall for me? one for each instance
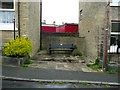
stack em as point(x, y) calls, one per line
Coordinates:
point(29, 22)
point(64, 38)
point(6, 36)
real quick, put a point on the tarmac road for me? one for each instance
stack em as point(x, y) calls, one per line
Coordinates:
point(57, 74)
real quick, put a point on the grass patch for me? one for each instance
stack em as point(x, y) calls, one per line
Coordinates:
point(92, 84)
point(28, 61)
point(95, 66)
point(1, 63)
point(24, 66)
point(107, 85)
point(40, 82)
point(57, 82)
point(110, 70)
point(84, 83)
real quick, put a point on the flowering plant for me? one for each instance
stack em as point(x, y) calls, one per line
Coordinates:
point(19, 47)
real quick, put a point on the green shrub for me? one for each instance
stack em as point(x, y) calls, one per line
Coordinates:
point(76, 53)
point(28, 61)
point(19, 47)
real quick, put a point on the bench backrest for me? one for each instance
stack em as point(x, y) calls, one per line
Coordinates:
point(61, 46)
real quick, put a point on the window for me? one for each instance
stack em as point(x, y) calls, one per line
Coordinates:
point(115, 27)
point(7, 4)
point(81, 12)
point(115, 3)
point(115, 35)
point(7, 14)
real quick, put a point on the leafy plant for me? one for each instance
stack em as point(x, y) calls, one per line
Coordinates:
point(96, 62)
point(99, 66)
point(19, 47)
point(88, 65)
point(76, 53)
point(28, 61)
point(38, 50)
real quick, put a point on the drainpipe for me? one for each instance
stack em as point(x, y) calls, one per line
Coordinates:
point(14, 28)
point(106, 38)
point(18, 18)
point(40, 24)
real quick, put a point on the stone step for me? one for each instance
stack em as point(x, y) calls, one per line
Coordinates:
point(61, 59)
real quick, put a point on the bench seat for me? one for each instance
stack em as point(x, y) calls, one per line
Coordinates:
point(60, 47)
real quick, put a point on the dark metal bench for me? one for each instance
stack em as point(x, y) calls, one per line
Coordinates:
point(60, 47)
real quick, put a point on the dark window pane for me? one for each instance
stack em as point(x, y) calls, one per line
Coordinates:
point(114, 39)
point(116, 27)
point(7, 5)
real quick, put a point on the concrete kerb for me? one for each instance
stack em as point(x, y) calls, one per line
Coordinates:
point(64, 81)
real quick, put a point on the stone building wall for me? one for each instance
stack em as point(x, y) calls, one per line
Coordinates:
point(115, 13)
point(91, 26)
point(29, 22)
